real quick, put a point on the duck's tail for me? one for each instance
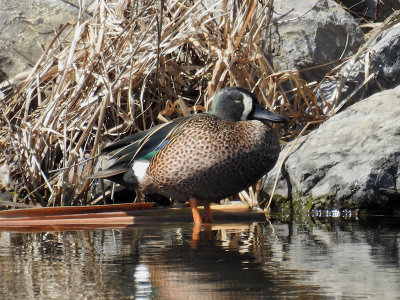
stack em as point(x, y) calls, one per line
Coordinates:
point(130, 176)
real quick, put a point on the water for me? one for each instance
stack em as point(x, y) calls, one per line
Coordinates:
point(331, 258)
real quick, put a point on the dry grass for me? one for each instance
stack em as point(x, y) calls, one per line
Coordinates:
point(130, 65)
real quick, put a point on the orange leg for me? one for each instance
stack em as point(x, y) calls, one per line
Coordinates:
point(195, 212)
point(139, 196)
point(195, 236)
point(207, 218)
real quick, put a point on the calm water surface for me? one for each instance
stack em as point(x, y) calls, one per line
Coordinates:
point(310, 259)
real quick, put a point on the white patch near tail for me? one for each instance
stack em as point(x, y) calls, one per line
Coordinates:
point(139, 167)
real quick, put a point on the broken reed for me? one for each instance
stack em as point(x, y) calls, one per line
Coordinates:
point(125, 66)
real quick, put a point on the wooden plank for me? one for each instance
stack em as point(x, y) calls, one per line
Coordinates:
point(72, 210)
point(71, 216)
point(69, 227)
point(237, 207)
point(126, 220)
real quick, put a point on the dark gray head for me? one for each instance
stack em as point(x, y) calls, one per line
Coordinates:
point(238, 104)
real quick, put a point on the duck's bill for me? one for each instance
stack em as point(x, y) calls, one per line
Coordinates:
point(260, 113)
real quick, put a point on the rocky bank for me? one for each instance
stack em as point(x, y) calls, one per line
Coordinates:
point(351, 161)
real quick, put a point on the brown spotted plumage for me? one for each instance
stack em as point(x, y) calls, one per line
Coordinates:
point(202, 158)
point(212, 161)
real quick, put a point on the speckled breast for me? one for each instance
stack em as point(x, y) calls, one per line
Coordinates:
point(211, 159)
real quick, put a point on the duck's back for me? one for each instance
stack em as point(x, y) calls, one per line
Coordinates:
point(211, 159)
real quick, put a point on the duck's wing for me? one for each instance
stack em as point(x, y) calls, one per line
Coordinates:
point(145, 144)
point(141, 145)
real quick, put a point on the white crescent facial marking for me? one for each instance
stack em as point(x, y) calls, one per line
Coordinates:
point(248, 106)
point(139, 167)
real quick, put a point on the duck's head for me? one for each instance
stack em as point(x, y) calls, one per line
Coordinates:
point(238, 104)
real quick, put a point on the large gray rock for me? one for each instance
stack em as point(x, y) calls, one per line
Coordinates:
point(311, 33)
point(352, 160)
point(26, 27)
point(384, 63)
point(386, 58)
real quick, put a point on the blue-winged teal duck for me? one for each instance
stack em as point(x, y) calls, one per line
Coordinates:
point(200, 158)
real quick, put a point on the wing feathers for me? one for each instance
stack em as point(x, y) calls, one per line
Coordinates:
point(142, 143)
point(107, 173)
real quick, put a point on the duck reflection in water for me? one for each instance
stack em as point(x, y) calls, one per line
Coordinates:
point(231, 261)
point(223, 262)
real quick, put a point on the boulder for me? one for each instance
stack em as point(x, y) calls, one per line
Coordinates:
point(351, 161)
point(26, 28)
point(386, 58)
point(311, 33)
point(384, 61)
